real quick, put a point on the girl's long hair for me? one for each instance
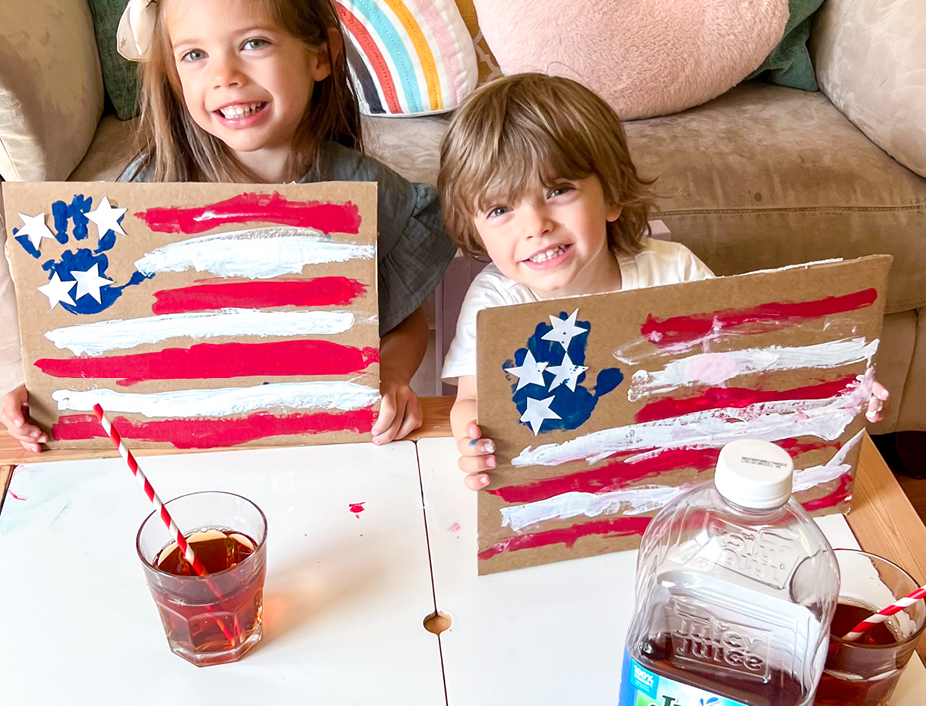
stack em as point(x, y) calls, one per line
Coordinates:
point(175, 148)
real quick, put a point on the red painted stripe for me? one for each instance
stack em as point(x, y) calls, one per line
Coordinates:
point(758, 319)
point(837, 497)
point(213, 433)
point(738, 398)
point(255, 208)
point(621, 474)
point(321, 291)
point(374, 55)
point(620, 527)
point(218, 360)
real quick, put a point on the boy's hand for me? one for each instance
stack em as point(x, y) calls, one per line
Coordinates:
point(476, 456)
point(879, 395)
point(14, 415)
point(399, 413)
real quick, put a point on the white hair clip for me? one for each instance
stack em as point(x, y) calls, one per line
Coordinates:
point(136, 28)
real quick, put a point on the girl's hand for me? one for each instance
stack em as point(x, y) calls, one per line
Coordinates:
point(14, 414)
point(399, 414)
point(879, 395)
point(476, 457)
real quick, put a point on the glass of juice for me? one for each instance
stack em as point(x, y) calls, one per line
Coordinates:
point(864, 672)
point(216, 618)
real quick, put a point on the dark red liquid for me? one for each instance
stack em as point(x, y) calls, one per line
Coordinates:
point(780, 688)
point(858, 661)
point(216, 614)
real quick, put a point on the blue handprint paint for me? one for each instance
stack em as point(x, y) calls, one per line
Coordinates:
point(81, 261)
point(574, 407)
point(75, 212)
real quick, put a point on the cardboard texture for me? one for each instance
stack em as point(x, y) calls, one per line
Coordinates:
point(656, 381)
point(201, 316)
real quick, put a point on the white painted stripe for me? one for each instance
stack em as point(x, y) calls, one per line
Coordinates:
point(223, 402)
point(718, 368)
point(770, 421)
point(646, 498)
point(119, 334)
point(257, 253)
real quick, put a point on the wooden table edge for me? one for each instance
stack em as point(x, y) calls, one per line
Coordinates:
point(881, 517)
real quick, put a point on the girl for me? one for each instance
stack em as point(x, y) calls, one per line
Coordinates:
point(259, 91)
point(536, 174)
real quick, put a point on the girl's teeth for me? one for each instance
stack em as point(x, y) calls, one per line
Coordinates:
point(240, 111)
point(549, 254)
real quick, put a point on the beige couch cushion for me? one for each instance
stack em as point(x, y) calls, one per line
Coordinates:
point(870, 59)
point(45, 131)
point(766, 176)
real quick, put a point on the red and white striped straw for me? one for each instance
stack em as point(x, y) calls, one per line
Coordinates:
point(886, 613)
point(149, 491)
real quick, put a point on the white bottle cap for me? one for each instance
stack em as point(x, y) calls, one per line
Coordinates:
point(754, 474)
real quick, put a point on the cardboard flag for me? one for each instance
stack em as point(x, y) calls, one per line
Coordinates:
point(604, 408)
point(197, 315)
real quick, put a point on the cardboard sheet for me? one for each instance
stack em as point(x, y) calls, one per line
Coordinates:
point(198, 315)
point(605, 407)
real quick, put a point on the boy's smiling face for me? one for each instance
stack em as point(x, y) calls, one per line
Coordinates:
point(555, 241)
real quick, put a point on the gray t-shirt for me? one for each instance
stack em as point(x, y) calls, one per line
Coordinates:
point(414, 249)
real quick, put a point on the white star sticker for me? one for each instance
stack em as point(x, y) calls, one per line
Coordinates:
point(107, 218)
point(58, 291)
point(537, 411)
point(529, 372)
point(567, 373)
point(564, 330)
point(34, 227)
point(89, 282)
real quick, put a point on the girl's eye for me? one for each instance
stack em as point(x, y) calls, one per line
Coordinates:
point(252, 44)
point(193, 55)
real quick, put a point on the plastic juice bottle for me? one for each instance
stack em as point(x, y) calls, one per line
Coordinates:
point(736, 588)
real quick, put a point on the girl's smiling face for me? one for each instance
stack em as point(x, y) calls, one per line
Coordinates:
point(555, 242)
point(245, 81)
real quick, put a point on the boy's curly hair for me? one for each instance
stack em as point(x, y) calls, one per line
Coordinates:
point(525, 132)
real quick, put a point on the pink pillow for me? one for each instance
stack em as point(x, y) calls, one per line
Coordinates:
point(645, 57)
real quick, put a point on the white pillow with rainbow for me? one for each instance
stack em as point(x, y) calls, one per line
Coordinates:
point(408, 57)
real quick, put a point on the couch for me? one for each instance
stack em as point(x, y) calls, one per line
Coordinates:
point(760, 177)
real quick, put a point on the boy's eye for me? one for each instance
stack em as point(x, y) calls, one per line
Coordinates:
point(560, 190)
point(496, 211)
point(193, 55)
point(252, 44)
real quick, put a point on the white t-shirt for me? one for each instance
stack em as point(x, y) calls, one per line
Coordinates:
point(659, 262)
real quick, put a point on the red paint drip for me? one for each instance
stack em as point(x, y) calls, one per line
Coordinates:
point(738, 398)
point(255, 208)
point(621, 474)
point(15, 496)
point(215, 361)
point(357, 508)
point(837, 497)
point(620, 527)
point(760, 319)
point(455, 527)
point(214, 433)
point(321, 291)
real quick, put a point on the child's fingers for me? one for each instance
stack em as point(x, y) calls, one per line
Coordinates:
point(473, 431)
point(476, 464)
point(475, 447)
point(878, 390)
point(403, 424)
point(476, 481)
point(387, 415)
point(879, 395)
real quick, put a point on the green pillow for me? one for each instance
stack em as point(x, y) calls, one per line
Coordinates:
point(789, 63)
point(120, 76)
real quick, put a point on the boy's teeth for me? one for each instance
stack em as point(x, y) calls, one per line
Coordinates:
point(239, 111)
point(548, 254)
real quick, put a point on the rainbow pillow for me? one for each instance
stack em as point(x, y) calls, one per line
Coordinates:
point(408, 57)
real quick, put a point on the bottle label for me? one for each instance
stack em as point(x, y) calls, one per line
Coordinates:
point(641, 687)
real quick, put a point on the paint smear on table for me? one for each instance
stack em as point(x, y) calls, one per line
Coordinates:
point(357, 508)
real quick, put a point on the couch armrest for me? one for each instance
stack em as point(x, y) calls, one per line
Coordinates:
point(870, 63)
point(51, 88)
